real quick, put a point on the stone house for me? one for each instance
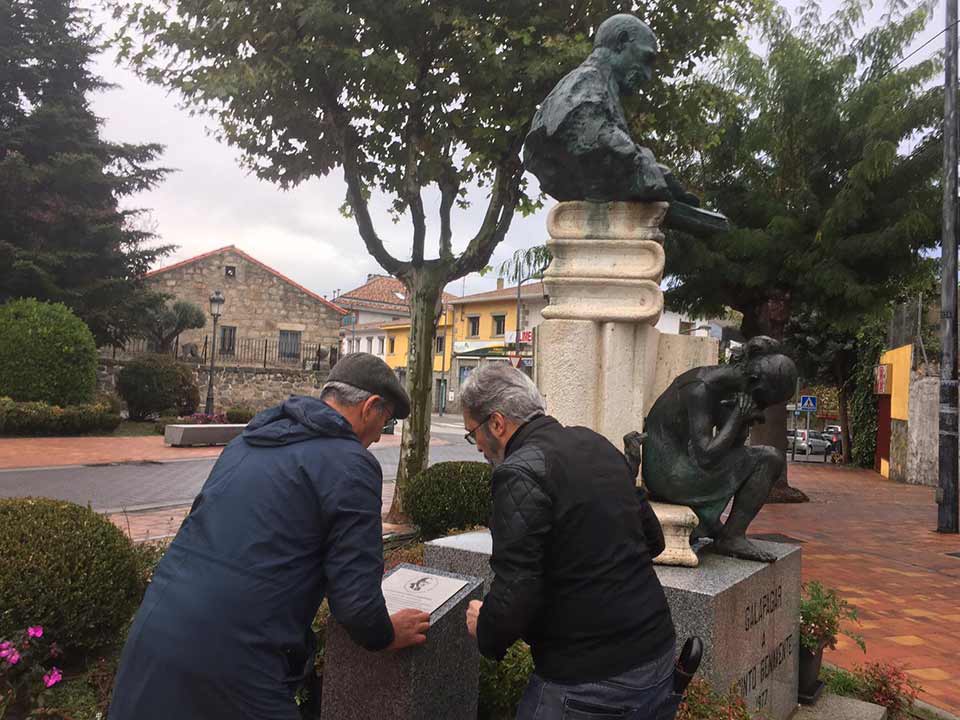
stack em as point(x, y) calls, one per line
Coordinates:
point(268, 320)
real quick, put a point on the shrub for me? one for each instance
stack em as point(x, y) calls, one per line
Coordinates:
point(821, 611)
point(702, 702)
point(37, 418)
point(68, 569)
point(879, 683)
point(502, 684)
point(27, 670)
point(47, 354)
point(155, 384)
point(449, 496)
point(238, 415)
point(195, 419)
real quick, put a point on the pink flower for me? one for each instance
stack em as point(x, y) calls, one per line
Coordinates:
point(52, 677)
point(35, 631)
point(13, 658)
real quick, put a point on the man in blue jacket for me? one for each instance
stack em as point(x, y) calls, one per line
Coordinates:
point(289, 515)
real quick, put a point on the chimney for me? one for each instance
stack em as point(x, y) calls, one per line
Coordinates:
point(500, 283)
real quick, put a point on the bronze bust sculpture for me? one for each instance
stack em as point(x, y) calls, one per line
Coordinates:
point(693, 446)
point(579, 146)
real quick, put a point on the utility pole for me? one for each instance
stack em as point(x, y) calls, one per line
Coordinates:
point(947, 496)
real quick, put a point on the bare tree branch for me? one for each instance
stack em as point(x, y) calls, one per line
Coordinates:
point(411, 191)
point(449, 183)
point(347, 142)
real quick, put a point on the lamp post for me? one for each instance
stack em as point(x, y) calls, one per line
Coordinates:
point(216, 308)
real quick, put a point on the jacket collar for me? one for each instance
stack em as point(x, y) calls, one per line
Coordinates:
point(523, 432)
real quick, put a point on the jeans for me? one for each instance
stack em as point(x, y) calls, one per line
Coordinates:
point(634, 695)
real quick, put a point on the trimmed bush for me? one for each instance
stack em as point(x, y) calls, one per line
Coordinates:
point(157, 385)
point(240, 415)
point(449, 496)
point(502, 684)
point(196, 419)
point(47, 354)
point(68, 569)
point(37, 418)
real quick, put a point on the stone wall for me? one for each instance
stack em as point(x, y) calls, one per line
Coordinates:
point(923, 442)
point(259, 302)
point(899, 443)
point(256, 388)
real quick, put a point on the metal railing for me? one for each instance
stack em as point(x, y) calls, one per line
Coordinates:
point(242, 352)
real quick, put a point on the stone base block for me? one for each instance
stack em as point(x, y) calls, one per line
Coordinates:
point(468, 553)
point(677, 521)
point(835, 707)
point(187, 435)
point(436, 680)
point(747, 614)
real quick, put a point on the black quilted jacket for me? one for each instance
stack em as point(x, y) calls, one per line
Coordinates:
point(573, 544)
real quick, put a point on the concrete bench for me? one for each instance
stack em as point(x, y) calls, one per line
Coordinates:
point(187, 435)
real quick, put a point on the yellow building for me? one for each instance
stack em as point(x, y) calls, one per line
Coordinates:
point(472, 329)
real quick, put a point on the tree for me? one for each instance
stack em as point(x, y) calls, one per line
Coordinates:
point(161, 324)
point(401, 95)
point(63, 236)
point(826, 158)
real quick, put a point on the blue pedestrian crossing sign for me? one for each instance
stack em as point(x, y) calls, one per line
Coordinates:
point(808, 403)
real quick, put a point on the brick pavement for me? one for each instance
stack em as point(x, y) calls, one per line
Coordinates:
point(874, 541)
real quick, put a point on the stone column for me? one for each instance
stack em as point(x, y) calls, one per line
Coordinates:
point(598, 363)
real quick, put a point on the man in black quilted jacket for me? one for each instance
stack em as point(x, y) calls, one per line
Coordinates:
point(573, 546)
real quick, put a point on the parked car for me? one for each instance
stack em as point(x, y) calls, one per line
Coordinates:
point(832, 429)
point(391, 427)
point(808, 442)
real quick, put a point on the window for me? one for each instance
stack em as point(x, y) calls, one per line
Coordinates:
point(393, 345)
point(228, 340)
point(380, 346)
point(499, 325)
point(473, 326)
point(289, 348)
point(686, 328)
point(230, 271)
point(370, 345)
point(441, 344)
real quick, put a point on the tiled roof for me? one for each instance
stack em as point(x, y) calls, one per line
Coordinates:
point(381, 292)
point(529, 291)
point(248, 258)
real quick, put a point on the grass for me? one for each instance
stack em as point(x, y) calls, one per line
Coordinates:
point(131, 428)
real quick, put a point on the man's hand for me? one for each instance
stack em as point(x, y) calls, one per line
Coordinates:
point(473, 612)
point(409, 628)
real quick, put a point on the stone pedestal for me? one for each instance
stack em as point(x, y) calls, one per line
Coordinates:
point(677, 521)
point(747, 614)
point(598, 345)
point(436, 680)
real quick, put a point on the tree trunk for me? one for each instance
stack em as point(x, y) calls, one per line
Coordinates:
point(769, 317)
point(425, 285)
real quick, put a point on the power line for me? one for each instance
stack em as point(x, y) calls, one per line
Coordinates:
point(904, 59)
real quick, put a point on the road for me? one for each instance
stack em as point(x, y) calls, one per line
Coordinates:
point(138, 486)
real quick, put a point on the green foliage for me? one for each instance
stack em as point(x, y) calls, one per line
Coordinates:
point(702, 702)
point(37, 418)
point(68, 569)
point(828, 213)
point(821, 614)
point(527, 264)
point(449, 496)
point(879, 683)
point(863, 402)
point(46, 354)
point(238, 415)
point(63, 235)
point(502, 683)
point(162, 323)
point(157, 383)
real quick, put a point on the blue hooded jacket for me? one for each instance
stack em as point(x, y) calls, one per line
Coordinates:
point(289, 514)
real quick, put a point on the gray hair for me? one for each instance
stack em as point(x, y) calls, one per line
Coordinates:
point(344, 394)
point(497, 387)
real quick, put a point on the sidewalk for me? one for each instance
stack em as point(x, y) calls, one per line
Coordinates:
point(60, 451)
point(163, 523)
point(874, 541)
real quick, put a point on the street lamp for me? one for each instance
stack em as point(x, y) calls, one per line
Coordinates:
point(216, 308)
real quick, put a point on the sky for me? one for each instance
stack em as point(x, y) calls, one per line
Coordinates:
point(210, 201)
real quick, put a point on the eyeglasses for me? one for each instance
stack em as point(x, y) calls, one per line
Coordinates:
point(470, 437)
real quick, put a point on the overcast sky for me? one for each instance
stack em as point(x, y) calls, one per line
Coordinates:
point(211, 201)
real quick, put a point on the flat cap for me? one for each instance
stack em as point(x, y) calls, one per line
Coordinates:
point(370, 373)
